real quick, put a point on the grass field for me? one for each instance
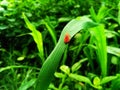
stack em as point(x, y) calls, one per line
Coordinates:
point(59, 45)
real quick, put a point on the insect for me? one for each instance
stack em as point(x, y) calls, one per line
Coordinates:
point(67, 38)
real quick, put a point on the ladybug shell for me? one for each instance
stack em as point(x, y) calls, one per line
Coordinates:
point(67, 38)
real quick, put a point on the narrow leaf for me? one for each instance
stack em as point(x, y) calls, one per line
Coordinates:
point(81, 78)
point(99, 39)
point(119, 12)
point(50, 65)
point(93, 14)
point(51, 31)
point(37, 36)
point(107, 79)
point(113, 50)
point(27, 84)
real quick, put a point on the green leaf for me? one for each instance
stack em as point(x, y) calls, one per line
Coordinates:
point(11, 67)
point(81, 78)
point(51, 30)
point(27, 85)
point(102, 13)
point(77, 65)
point(64, 19)
point(1, 10)
point(96, 81)
point(119, 12)
point(65, 69)
point(37, 36)
point(50, 65)
point(93, 14)
point(115, 60)
point(107, 79)
point(59, 75)
point(4, 3)
point(115, 84)
point(99, 39)
point(21, 58)
point(2, 27)
point(113, 50)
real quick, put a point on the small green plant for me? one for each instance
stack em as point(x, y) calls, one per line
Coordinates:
point(81, 81)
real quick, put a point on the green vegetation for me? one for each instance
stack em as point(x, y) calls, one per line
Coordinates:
point(34, 53)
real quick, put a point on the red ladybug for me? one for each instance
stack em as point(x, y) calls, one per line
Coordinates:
point(67, 38)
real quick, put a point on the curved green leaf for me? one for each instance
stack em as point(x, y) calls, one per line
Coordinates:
point(107, 79)
point(99, 39)
point(27, 84)
point(51, 31)
point(81, 78)
point(37, 36)
point(50, 65)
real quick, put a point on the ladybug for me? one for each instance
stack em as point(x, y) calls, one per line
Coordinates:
point(67, 38)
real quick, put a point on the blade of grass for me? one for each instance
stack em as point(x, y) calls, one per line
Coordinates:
point(64, 56)
point(113, 50)
point(119, 12)
point(102, 13)
point(50, 65)
point(50, 29)
point(107, 79)
point(12, 67)
point(81, 78)
point(93, 14)
point(83, 39)
point(37, 36)
point(99, 38)
point(90, 56)
point(26, 83)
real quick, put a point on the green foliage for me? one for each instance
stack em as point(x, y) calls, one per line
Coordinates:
point(90, 61)
point(50, 29)
point(116, 84)
point(103, 11)
point(54, 58)
point(25, 83)
point(37, 36)
point(99, 39)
